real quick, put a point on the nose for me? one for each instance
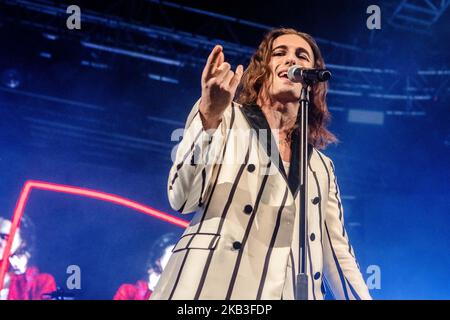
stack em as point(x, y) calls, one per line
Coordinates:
point(290, 61)
point(291, 58)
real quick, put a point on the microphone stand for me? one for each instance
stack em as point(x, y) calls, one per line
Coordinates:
point(307, 77)
point(302, 118)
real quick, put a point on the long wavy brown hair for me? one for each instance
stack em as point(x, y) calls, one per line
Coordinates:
point(258, 72)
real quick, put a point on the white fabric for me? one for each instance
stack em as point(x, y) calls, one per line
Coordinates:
point(242, 242)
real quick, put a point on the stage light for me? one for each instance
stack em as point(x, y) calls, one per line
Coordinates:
point(162, 78)
point(365, 117)
point(400, 96)
point(95, 65)
point(132, 54)
point(11, 78)
point(360, 69)
point(49, 36)
point(46, 55)
point(344, 92)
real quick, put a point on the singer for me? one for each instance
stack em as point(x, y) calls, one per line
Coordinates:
point(237, 167)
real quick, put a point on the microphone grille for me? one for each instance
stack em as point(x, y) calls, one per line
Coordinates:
point(291, 73)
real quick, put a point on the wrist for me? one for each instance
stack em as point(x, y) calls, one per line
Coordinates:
point(210, 120)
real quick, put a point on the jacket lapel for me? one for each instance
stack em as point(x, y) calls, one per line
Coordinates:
point(255, 117)
point(258, 122)
point(294, 178)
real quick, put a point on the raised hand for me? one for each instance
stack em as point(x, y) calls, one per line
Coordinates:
point(219, 84)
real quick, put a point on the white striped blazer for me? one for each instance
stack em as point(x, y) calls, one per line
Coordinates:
point(242, 242)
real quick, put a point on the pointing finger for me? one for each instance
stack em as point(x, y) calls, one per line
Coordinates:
point(213, 60)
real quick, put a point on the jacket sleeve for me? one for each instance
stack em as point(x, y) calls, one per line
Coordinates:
point(340, 266)
point(193, 163)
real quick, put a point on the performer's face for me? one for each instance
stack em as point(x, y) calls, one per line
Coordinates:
point(5, 227)
point(288, 50)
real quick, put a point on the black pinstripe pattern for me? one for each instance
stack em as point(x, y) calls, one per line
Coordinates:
point(213, 240)
point(222, 221)
point(179, 274)
point(326, 169)
point(311, 271)
point(271, 245)
point(233, 115)
point(191, 149)
point(223, 216)
point(246, 235)
point(338, 266)
point(200, 200)
point(355, 294)
point(338, 199)
point(319, 204)
point(180, 271)
point(182, 207)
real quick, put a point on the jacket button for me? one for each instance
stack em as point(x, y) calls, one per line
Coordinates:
point(251, 167)
point(316, 200)
point(248, 209)
point(237, 245)
point(312, 236)
point(317, 276)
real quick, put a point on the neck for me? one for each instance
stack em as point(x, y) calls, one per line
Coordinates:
point(280, 115)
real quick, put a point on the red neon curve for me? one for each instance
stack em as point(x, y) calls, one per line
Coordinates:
point(29, 185)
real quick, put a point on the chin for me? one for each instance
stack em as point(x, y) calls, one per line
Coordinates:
point(287, 96)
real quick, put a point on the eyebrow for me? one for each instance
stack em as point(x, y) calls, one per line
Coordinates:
point(298, 49)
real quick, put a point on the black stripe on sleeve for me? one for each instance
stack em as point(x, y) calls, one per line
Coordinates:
point(338, 266)
point(271, 245)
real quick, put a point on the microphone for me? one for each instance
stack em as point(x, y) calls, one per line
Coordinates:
point(308, 76)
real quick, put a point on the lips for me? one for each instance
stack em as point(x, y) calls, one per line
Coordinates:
point(283, 74)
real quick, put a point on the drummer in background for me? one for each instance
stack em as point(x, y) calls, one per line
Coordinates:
point(158, 257)
point(22, 281)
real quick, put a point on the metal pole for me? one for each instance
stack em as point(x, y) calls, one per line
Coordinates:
point(302, 118)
